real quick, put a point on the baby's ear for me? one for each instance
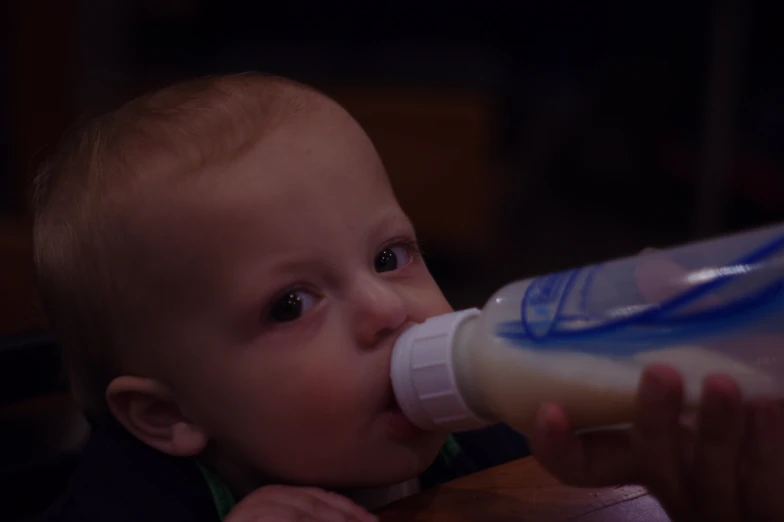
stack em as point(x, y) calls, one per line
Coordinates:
point(149, 412)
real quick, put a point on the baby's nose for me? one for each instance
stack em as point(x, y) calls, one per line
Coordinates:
point(380, 311)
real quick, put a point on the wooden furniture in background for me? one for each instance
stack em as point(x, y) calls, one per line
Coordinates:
point(44, 63)
point(19, 311)
point(436, 146)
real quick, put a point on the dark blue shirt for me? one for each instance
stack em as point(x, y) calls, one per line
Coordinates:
point(120, 479)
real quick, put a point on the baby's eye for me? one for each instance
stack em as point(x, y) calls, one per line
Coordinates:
point(392, 258)
point(292, 306)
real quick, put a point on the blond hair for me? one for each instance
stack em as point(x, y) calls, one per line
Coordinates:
point(84, 236)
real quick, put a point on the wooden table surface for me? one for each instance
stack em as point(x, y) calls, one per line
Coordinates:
point(522, 491)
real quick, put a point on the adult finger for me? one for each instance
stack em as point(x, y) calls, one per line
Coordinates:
point(656, 436)
point(554, 445)
point(592, 459)
point(720, 428)
point(688, 439)
point(763, 461)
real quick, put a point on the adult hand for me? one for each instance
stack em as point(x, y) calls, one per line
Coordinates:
point(728, 465)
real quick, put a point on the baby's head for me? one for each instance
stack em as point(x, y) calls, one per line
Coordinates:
point(227, 269)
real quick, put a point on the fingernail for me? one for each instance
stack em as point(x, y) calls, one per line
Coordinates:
point(654, 388)
point(543, 422)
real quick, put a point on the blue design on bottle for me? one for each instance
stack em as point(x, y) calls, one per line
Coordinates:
point(542, 323)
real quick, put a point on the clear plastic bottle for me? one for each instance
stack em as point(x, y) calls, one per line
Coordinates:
point(582, 337)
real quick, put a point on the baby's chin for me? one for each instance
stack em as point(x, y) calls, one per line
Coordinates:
point(382, 465)
point(401, 465)
point(406, 464)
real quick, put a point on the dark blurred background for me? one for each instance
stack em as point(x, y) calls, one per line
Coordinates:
point(522, 137)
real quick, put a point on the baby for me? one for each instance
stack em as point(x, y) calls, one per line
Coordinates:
point(227, 269)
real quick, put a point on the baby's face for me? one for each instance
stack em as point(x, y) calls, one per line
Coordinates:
point(304, 272)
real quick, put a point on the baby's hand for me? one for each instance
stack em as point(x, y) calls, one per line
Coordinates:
point(288, 504)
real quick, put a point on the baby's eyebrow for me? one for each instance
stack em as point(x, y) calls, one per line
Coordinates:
point(396, 221)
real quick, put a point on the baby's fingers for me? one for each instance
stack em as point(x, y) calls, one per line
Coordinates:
point(342, 505)
point(288, 503)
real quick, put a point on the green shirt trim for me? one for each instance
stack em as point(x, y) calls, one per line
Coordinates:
point(451, 450)
point(221, 495)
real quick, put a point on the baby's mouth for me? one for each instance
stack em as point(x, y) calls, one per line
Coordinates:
point(391, 404)
point(398, 424)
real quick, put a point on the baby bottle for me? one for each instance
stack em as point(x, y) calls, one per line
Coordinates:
point(582, 337)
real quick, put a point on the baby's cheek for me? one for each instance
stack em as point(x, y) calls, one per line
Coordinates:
point(428, 302)
point(326, 398)
point(289, 415)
